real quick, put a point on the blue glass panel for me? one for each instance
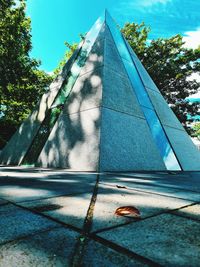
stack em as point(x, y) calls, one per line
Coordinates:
point(137, 84)
point(153, 121)
point(161, 140)
point(118, 38)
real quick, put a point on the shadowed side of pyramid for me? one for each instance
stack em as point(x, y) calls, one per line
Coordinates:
point(103, 113)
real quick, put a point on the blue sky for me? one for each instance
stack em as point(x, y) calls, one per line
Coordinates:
point(57, 21)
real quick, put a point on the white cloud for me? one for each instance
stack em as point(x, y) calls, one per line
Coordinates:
point(128, 5)
point(17, 3)
point(149, 3)
point(192, 39)
point(49, 72)
point(194, 76)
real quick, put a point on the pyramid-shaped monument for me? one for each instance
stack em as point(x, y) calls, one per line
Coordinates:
point(103, 113)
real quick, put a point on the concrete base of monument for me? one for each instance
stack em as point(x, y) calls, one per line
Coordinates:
point(54, 217)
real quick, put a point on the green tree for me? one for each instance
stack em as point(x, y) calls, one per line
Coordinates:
point(170, 65)
point(196, 130)
point(21, 82)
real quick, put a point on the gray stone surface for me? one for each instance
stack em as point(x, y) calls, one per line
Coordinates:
point(50, 248)
point(68, 209)
point(164, 112)
point(126, 144)
point(118, 93)
point(86, 93)
point(110, 198)
point(178, 185)
point(112, 59)
point(24, 185)
point(98, 255)
point(167, 233)
point(73, 142)
point(185, 150)
point(95, 58)
point(15, 150)
point(166, 239)
point(16, 222)
point(192, 212)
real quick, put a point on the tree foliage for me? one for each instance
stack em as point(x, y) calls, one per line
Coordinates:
point(21, 82)
point(170, 65)
point(196, 130)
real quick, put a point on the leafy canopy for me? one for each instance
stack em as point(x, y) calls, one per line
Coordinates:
point(21, 82)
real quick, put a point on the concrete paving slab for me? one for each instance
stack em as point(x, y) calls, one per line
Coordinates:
point(192, 212)
point(162, 183)
point(70, 209)
point(28, 239)
point(160, 190)
point(21, 185)
point(99, 255)
point(184, 194)
point(16, 222)
point(109, 199)
point(166, 239)
point(50, 248)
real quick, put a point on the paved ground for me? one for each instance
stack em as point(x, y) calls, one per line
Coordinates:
point(61, 218)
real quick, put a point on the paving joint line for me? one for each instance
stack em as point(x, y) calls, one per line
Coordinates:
point(191, 204)
point(46, 198)
point(140, 220)
point(47, 217)
point(185, 217)
point(26, 236)
point(125, 251)
point(81, 245)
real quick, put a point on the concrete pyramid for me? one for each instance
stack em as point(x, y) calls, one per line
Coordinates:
point(103, 113)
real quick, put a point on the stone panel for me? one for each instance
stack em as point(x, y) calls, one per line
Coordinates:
point(165, 114)
point(95, 57)
point(73, 142)
point(16, 222)
point(50, 248)
point(99, 255)
point(112, 58)
point(86, 93)
point(71, 210)
point(127, 144)
point(185, 150)
point(166, 239)
point(118, 94)
point(148, 204)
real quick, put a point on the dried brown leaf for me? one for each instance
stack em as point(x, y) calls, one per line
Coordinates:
point(128, 211)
